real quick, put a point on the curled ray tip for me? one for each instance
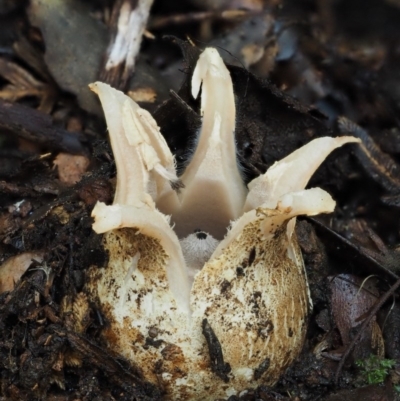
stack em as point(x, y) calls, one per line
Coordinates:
point(209, 64)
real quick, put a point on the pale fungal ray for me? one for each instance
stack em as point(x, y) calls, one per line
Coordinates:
point(128, 191)
point(292, 173)
point(139, 149)
point(308, 202)
point(142, 133)
point(214, 190)
point(153, 224)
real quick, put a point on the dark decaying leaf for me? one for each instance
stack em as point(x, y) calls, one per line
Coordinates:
point(351, 300)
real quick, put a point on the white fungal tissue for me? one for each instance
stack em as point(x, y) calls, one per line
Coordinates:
point(205, 290)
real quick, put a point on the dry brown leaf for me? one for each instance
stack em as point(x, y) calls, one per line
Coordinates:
point(22, 84)
point(13, 268)
point(351, 300)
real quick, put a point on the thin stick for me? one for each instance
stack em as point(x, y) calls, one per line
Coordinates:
point(128, 21)
point(178, 19)
point(39, 128)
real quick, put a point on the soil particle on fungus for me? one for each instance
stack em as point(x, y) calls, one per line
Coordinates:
point(218, 366)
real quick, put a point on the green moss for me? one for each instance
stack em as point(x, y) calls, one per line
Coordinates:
point(374, 369)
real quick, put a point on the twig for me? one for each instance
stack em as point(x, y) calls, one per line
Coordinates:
point(38, 127)
point(128, 21)
point(178, 19)
point(366, 322)
point(377, 164)
point(127, 379)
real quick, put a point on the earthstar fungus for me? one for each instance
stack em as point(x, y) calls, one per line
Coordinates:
point(168, 290)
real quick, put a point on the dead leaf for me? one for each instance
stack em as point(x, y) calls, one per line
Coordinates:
point(351, 300)
point(13, 268)
point(22, 84)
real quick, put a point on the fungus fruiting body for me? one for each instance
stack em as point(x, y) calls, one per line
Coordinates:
point(205, 290)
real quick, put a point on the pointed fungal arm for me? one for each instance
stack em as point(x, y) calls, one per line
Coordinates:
point(292, 173)
point(145, 165)
point(153, 224)
point(126, 157)
point(214, 190)
point(308, 202)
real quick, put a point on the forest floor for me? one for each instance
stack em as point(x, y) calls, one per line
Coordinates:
point(300, 70)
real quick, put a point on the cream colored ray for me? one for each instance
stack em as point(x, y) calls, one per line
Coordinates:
point(145, 164)
point(291, 173)
point(135, 153)
point(306, 202)
point(128, 191)
point(214, 190)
